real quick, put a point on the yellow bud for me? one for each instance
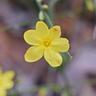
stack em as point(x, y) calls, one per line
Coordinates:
point(45, 6)
point(41, 15)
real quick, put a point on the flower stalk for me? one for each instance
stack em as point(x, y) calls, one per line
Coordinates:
point(45, 13)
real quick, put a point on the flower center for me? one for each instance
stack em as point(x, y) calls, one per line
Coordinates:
point(46, 43)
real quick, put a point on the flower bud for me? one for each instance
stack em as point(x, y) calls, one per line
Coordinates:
point(41, 15)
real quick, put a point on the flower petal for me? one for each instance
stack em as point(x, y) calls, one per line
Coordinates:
point(42, 29)
point(3, 92)
point(9, 75)
point(53, 58)
point(55, 32)
point(31, 37)
point(8, 84)
point(34, 53)
point(60, 45)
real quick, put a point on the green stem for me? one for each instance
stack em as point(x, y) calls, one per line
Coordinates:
point(67, 86)
point(46, 15)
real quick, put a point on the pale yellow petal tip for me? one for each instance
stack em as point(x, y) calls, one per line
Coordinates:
point(67, 48)
point(41, 23)
point(26, 35)
point(67, 44)
point(28, 59)
point(54, 66)
point(66, 40)
point(55, 63)
point(56, 28)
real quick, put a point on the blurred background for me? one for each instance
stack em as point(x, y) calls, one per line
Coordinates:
point(77, 19)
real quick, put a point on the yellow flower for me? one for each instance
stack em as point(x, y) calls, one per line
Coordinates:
point(3, 92)
point(6, 82)
point(46, 42)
